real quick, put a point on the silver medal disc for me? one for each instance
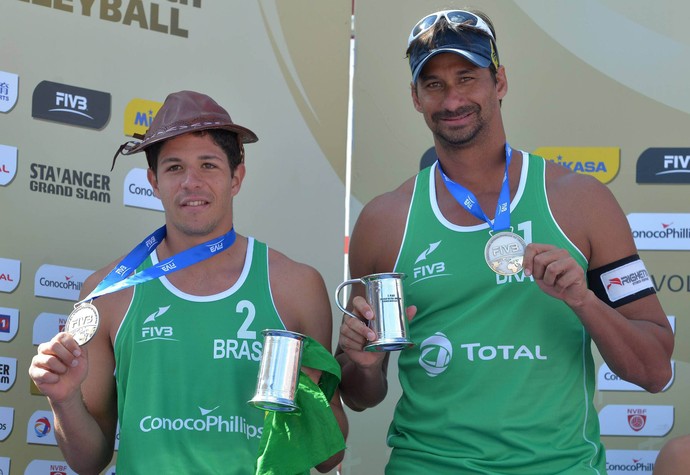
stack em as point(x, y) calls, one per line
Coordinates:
point(504, 253)
point(82, 323)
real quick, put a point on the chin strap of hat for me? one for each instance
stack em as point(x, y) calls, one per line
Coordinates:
point(122, 149)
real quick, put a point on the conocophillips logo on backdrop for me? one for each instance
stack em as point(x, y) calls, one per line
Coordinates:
point(10, 273)
point(624, 462)
point(59, 282)
point(138, 192)
point(68, 182)
point(6, 422)
point(664, 165)
point(139, 114)
point(602, 163)
point(8, 372)
point(639, 421)
point(159, 17)
point(661, 231)
point(9, 86)
point(70, 105)
point(8, 164)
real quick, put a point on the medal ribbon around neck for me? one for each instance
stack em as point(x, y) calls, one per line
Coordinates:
point(504, 251)
point(83, 322)
point(468, 201)
point(119, 278)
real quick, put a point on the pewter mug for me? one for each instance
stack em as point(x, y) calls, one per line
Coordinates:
point(278, 378)
point(384, 293)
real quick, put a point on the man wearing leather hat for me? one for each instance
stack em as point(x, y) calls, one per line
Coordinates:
point(177, 349)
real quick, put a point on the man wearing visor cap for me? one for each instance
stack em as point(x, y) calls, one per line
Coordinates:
point(181, 322)
point(510, 277)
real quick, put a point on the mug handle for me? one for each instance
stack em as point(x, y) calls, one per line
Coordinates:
point(337, 296)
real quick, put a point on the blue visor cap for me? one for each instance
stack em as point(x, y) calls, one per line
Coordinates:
point(476, 47)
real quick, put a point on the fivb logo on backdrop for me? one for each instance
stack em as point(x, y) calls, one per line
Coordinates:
point(70, 105)
point(664, 165)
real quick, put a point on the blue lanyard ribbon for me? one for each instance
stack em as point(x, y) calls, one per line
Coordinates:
point(468, 201)
point(119, 278)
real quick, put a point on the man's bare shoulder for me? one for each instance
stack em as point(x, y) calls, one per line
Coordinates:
point(398, 198)
point(572, 198)
point(564, 183)
point(388, 208)
point(300, 296)
point(378, 232)
point(285, 268)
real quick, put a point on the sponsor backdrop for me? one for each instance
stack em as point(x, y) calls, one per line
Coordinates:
point(596, 85)
point(77, 79)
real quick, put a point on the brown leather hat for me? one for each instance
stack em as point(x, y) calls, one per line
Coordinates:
point(183, 112)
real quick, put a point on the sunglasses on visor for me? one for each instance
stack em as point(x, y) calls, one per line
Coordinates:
point(454, 17)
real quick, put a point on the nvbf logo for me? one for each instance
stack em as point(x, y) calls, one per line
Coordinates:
point(42, 427)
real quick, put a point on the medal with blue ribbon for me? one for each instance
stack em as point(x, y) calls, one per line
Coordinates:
point(83, 322)
point(504, 251)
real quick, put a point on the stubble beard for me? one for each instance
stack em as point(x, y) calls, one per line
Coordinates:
point(457, 137)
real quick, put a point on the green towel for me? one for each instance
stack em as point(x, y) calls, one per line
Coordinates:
point(291, 444)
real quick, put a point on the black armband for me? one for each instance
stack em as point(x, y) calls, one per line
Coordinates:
point(621, 282)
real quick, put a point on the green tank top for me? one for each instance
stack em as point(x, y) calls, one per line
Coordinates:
point(501, 377)
point(185, 368)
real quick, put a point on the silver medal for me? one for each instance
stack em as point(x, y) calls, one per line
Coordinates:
point(504, 252)
point(82, 323)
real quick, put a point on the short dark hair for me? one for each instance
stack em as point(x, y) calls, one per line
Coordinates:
point(226, 140)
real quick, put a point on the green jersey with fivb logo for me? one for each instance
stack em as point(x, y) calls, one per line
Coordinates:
point(501, 377)
point(185, 367)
